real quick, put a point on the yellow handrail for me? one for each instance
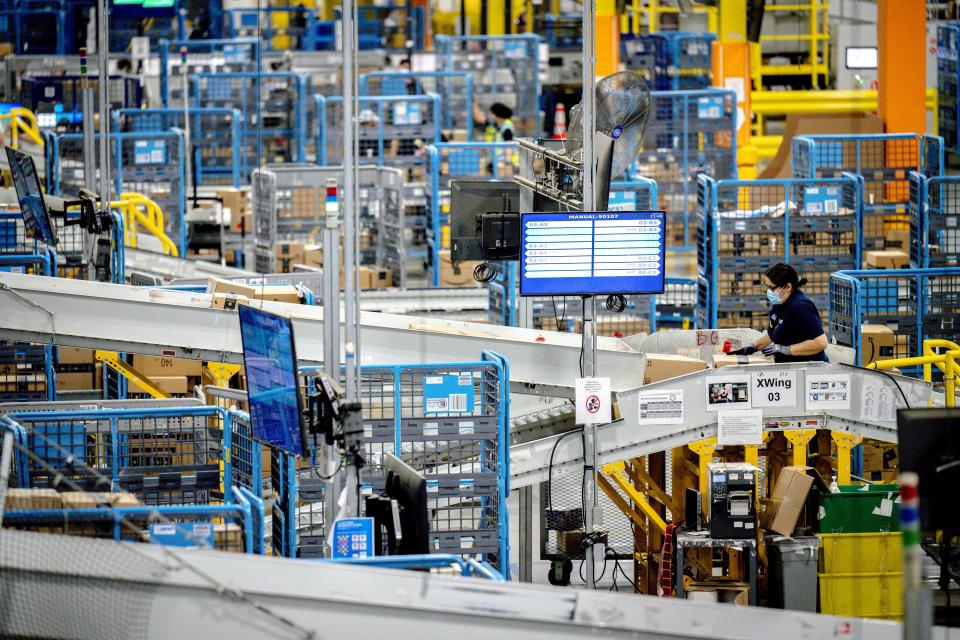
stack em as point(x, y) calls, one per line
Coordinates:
point(946, 362)
point(22, 120)
point(140, 211)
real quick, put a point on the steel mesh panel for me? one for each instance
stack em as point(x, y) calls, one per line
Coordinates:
point(690, 133)
point(948, 121)
point(57, 100)
point(505, 69)
point(392, 131)
point(45, 573)
point(941, 242)
point(670, 60)
point(455, 89)
point(203, 56)
point(272, 108)
point(214, 139)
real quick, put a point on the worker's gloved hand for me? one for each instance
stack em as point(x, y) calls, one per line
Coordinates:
point(773, 348)
point(748, 350)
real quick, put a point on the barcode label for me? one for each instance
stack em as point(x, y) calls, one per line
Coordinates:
point(458, 402)
point(830, 206)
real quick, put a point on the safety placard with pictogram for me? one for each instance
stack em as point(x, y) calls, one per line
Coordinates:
point(593, 399)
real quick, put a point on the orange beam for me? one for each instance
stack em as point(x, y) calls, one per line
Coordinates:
point(901, 40)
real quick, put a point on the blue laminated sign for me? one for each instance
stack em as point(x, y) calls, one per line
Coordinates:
point(448, 394)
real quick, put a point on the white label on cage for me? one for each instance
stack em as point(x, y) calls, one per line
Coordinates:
point(828, 391)
point(49, 92)
point(164, 529)
point(431, 429)
point(368, 432)
point(467, 429)
point(661, 407)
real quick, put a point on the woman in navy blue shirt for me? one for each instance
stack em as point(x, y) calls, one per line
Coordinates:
point(795, 333)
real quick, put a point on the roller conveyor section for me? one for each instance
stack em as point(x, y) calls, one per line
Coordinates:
point(178, 324)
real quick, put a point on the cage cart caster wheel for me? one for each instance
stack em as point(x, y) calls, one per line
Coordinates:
point(560, 572)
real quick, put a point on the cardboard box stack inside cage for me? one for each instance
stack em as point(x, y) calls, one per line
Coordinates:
point(439, 291)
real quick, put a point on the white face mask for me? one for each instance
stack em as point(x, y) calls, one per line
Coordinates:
point(773, 296)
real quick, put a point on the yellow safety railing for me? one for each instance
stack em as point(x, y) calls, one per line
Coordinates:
point(140, 213)
point(781, 103)
point(647, 16)
point(948, 362)
point(23, 122)
point(813, 39)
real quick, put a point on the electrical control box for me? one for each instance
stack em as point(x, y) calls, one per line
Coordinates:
point(732, 501)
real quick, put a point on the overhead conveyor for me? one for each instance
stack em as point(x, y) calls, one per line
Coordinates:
point(180, 324)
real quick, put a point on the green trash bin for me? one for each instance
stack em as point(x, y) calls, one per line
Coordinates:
point(792, 563)
point(860, 508)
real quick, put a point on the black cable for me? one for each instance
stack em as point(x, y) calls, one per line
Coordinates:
point(485, 272)
point(333, 475)
point(550, 467)
point(893, 379)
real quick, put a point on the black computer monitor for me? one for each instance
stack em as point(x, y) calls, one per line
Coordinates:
point(26, 180)
point(270, 360)
point(470, 199)
point(409, 488)
point(929, 441)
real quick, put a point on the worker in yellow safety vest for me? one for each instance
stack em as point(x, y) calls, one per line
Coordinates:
point(499, 126)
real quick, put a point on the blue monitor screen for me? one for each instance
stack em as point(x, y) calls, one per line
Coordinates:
point(36, 218)
point(592, 253)
point(271, 367)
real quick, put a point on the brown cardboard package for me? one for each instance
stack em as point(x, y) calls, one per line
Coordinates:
point(781, 512)
point(313, 255)
point(18, 499)
point(78, 500)
point(615, 327)
point(877, 342)
point(151, 366)
point(31, 381)
point(896, 236)
point(365, 275)
point(228, 537)
point(659, 367)
point(73, 355)
point(76, 381)
point(456, 275)
point(726, 592)
point(277, 293)
point(291, 251)
point(887, 259)
point(382, 278)
point(726, 360)
point(216, 285)
point(174, 385)
point(238, 202)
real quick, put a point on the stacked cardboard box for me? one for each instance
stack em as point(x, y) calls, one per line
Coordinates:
point(886, 259)
point(458, 274)
point(175, 376)
point(877, 342)
point(658, 367)
point(238, 203)
point(228, 537)
point(880, 462)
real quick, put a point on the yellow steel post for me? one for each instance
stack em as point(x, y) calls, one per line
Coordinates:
point(495, 10)
point(222, 373)
point(731, 70)
point(845, 443)
point(704, 449)
point(799, 439)
point(111, 359)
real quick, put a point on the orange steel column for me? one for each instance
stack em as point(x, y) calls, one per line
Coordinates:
point(901, 40)
point(607, 31)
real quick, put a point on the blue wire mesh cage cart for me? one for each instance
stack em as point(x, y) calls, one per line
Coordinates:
point(455, 89)
point(916, 304)
point(670, 60)
point(690, 133)
point(448, 421)
point(948, 84)
point(505, 69)
point(57, 100)
point(214, 139)
point(747, 226)
point(884, 161)
point(934, 221)
point(234, 55)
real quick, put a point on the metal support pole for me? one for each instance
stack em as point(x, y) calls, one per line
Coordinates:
point(6, 462)
point(103, 58)
point(330, 457)
point(188, 149)
point(89, 150)
point(526, 533)
point(592, 513)
point(350, 228)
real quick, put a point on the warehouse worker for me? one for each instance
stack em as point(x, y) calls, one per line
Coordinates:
point(499, 126)
point(796, 332)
